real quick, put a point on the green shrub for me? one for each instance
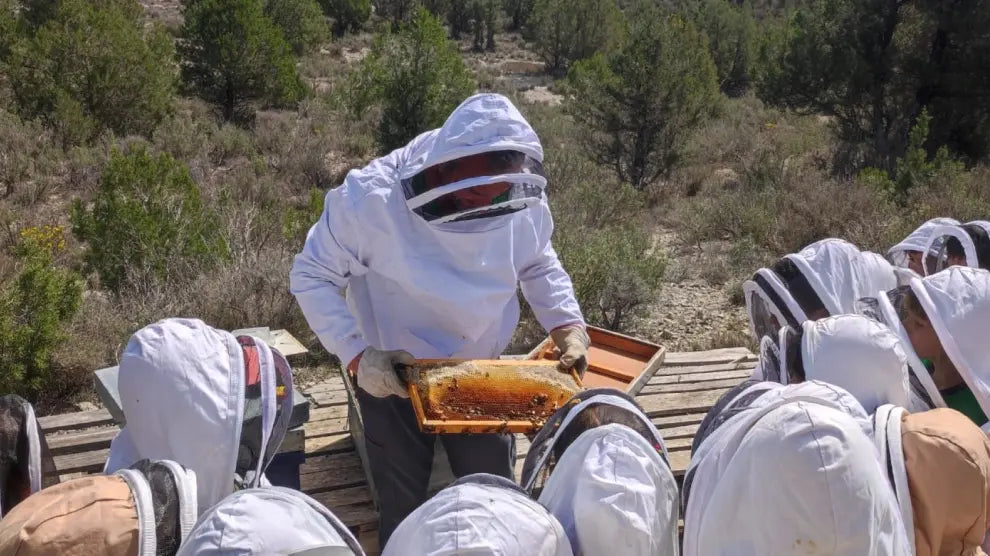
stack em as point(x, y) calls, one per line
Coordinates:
point(234, 56)
point(639, 103)
point(915, 168)
point(603, 242)
point(34, 309)
point(348, 15)
point(615, 270)
point(146, 222)
point(417, 77)
point(566, 31)
point(302, 23)
point(93, 66)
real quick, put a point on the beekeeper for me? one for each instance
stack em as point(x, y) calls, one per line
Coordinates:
point(853, 352)
point(146, 510)
point(959, 245)
point(611, 486)
point(206, 399)
point(824, 279)
point(481, 515)
point(419, 255)
point(272, 520)
point(912, 252)
point(938, 463)
point(26, 465)
point(942, 322)
point(791, 475)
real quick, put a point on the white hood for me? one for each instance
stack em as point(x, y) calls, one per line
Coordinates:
point(918, 240)
point(957, 302)
point(480, 515)
point(859, 355)
point(182, 394)
point(272, 520)
point(941, 234)
point(614, 493)
point(840, 274)
point(797, 476)
point(922, 382)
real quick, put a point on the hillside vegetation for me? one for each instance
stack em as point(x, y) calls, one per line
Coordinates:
point(167, 159)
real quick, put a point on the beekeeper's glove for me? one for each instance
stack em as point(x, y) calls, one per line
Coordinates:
point(573, 342)
point(378, 372)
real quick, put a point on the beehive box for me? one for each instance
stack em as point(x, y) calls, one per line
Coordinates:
point(487, 396)
point(614, 360)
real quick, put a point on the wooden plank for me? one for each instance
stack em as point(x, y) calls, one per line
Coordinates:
point(349, 475)
point(679, 461)
point(325, 427)
point(329, 444)
point(327, 413)
point(684, 431)
point(333, 384)
point(344, 496)
point(715, 356)
point(679, 420)
point(294, 441)
point(85, 441)
point(328, 398)
point(368, 537)
point(652, 366)
point(741, 374)
point(92, 461)
point(657, 405)
point(357, 515)
point(702, 369)
point(690, 387)
point(281, 340)
point(77, 420)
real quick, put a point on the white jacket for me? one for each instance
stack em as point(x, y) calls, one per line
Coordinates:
point(614, 493)
point(479, 515)
point(268, 521)
point(374, 273)
point(792, 475)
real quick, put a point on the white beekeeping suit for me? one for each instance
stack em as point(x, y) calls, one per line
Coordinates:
point(859, 355)
point(431, 283)
point(183, 393)
point(613, 491)
point(273, 520)
point(797, 473)
point(480, 515)
point(612, 487)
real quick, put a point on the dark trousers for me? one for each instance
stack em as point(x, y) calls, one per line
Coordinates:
point(401, 457)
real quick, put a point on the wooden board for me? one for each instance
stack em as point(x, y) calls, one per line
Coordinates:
point(281, 340)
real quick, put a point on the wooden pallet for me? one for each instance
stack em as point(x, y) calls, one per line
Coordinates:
point(676, 399)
